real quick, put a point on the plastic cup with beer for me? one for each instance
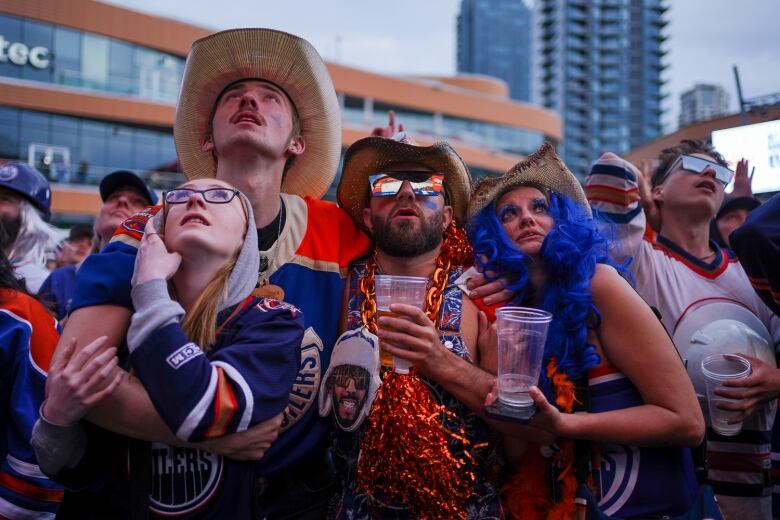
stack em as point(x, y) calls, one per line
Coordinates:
point(718, 368)
point(522, 333)
point(390, 289)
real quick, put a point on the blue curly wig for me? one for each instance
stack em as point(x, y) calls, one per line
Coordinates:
point(570, 252)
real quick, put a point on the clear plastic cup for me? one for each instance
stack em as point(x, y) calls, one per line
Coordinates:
point(716, 369)
point(522, 333)
point(391, 289)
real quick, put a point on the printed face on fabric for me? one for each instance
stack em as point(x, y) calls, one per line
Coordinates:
point(691, 190)
point(193, 224)
point(118, 207)
point(253, 113)
point(524, 213)
point(349, 391)
point(406, 224)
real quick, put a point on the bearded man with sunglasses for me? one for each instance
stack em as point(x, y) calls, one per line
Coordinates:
point(690, 280)
point(412, 201)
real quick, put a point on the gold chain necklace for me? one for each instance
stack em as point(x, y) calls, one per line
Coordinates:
point(455, 251)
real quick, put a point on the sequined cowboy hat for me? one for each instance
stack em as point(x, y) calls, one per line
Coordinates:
point(289, 62)
point(542, 169)
point(375, 154)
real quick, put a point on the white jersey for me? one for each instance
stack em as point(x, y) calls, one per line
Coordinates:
point(672, 281)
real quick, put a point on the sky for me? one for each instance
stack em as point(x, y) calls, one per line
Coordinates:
point(407, 37)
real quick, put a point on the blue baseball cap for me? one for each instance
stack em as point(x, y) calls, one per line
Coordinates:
point(29, 183)
point(115, 180)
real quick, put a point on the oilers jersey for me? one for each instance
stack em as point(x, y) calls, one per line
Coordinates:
point(635, 481)
point(28, 335)
point(309, 263)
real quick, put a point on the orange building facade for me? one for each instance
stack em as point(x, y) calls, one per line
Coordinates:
point(87, 88)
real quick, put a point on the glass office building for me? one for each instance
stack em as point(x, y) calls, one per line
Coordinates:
point(600, 65)
point(494, 38)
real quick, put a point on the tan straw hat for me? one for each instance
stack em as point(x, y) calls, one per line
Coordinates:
point(542, 169)
point(289, 62)
point(375, 154)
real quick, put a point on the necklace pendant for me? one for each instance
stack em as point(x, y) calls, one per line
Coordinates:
point(263, 263)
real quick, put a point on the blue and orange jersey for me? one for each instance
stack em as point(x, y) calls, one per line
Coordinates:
point(28, 336)
point(244, 379)
point(632, 480)
point(309, 262)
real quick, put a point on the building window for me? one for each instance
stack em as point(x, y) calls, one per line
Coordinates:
point(87, 61)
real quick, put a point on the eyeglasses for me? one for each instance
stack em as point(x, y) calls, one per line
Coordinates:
point(388, 184)
point(211, 195)
point(698, 165)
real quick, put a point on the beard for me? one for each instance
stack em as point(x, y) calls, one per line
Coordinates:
point(400, 239)
point(9, 231)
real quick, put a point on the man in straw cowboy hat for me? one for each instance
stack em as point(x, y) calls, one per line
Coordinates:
point(257, 109)
point(412, 201)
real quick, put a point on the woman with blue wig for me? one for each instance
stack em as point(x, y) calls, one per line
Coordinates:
point(611, 376)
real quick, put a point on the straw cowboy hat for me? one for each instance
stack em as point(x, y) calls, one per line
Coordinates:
point(375, 154)
point(289, 62)
point(542, 169)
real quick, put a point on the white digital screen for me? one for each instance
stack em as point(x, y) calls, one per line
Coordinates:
point(760, 145)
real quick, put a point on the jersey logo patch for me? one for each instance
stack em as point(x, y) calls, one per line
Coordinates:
point(184, 480)
point(8, 173)
point(271, 304)
point(617, 476)
point(183, 355)
point(307, 382)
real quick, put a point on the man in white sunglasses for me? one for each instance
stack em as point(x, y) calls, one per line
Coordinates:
point(662, 221)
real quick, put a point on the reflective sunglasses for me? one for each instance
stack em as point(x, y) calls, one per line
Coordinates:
point(211, 195)
point(388, 184)
point(698, 165)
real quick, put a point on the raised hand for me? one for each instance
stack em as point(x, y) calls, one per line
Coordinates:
point(644, 176)
point(390, 130)
point(77, 382)
point(153, 260)
point(743, 183)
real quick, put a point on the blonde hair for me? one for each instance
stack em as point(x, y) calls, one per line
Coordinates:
point(200, 322)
